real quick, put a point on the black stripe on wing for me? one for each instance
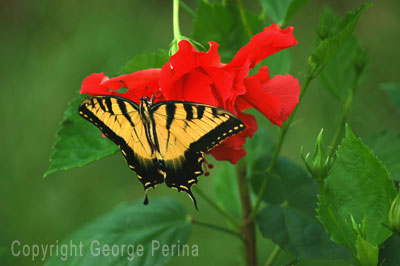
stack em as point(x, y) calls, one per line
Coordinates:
point(146, 169)
point(184, 176)
point(226, 129)
point(223, 130)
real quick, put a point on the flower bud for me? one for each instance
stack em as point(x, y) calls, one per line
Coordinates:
point(367, 252)
point(394, 214)
point(319, 164)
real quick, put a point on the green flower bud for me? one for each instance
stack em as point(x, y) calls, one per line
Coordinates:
point(394, 215)
point(367, 253)
point(319, 164)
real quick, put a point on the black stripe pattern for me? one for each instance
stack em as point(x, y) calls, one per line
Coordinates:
point(170, 114)
point(152, 170)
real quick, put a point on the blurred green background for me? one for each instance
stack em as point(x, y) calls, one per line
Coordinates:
point(48, 48)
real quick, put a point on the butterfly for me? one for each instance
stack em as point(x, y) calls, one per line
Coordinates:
point(165, 141)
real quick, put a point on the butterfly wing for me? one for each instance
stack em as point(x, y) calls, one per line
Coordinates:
point(186, 130)
point(119, 120)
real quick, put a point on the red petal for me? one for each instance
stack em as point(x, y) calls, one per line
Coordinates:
point(138, 84)
point(193, 87)
point(92, 84)
point(187, 57)
point(231, 149)
point(267, 104)
point(275, 98)
point(287, 89)
point(261, 76)
point(250, 123)
point(134, 80)
point(178, 76)
point(222, 83)
point(224, 152)
point(271, 40)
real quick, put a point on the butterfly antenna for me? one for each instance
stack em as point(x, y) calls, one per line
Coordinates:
point(128, 90)
point(156, 95)
point(144, 92)
point(123, 82)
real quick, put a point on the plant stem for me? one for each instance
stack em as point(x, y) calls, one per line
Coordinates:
point(187, 9)
point(291, 263)
point(277, 150)
point(339, 129)
point(177, 32)
point(217, 208)
point(272, 257)
point(216, 227)
point(248, 227)
point(243, 18)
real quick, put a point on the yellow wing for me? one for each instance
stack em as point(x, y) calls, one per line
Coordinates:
point(185, 125)
point(120, 121)
point(183, 131)
point(186, 130)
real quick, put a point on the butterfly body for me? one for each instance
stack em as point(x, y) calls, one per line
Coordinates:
point(161, 142)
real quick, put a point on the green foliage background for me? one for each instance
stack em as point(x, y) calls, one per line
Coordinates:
point(49, 47)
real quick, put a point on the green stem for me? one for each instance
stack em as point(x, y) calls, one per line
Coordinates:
point(217, 208)
point(339, 129)
point(243, 18)
point(177, 31)
point(277, 150)
point(187, 9)
point(216, 227)
point(272, 257)
point(248, 227)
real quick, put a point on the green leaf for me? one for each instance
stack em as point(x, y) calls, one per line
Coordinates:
point(393, 91)
point(389, 254)
point(225, 181)
point(280, 11)
point(223, 24)
point(333, 37)
point(261, 145)
point(290, 219)
point(359, 186)
point(386, 146)
point(279, 63)
point(226, 190)
point(339, 72)
point(328, 24)
point(165, 221)
point(145, 61)
point(367, 253)
point(78, 141)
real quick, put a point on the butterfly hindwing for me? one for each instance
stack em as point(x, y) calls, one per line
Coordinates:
point(172, 143)
point(186, 130)
point(119, 120)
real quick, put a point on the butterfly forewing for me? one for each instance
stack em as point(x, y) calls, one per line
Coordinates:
point(198, 127)
point(120, 121)
point(186, 130)
point(181, 133)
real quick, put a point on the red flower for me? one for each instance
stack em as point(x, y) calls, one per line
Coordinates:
point(141, 83)
point(200, 77)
